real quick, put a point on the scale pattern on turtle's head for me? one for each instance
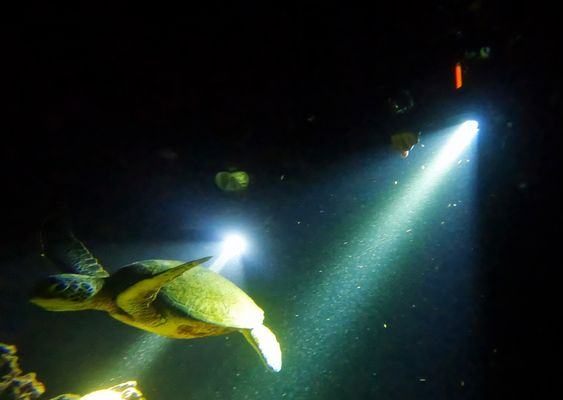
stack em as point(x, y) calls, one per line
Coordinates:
point(65, 292)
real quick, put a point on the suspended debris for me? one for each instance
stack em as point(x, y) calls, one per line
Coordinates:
point(404, 142)
point(232, 181)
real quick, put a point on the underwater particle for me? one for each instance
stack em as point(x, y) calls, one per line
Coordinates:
point(234, 181)
point(422, 379)
point(385, 325)
point(204, 303)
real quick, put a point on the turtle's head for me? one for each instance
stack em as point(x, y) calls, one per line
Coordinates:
point(66, 292)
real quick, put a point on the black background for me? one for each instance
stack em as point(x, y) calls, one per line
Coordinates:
point(89, 109)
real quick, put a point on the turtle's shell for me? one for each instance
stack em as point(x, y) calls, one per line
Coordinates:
point(198, 293)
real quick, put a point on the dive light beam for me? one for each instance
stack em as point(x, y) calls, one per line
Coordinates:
point(356, 273)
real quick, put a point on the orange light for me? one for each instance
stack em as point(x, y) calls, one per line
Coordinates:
point(458, 80)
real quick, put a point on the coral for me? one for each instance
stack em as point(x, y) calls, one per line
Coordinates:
point(16, 386)
point(13, 384)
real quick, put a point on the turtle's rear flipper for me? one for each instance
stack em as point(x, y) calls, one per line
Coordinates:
point(68, 253)
point(137, 298)
point(265, 343)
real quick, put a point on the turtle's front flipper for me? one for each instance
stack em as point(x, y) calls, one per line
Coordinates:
point(137, 298)
point(265, 343)
point(68, 253)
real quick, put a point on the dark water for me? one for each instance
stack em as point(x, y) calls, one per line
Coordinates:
point(380, 278)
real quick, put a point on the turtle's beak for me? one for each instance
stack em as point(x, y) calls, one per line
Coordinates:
point(54, 304)
point(41, 302)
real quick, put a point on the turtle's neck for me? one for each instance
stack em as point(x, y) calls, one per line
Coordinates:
point(104, 300)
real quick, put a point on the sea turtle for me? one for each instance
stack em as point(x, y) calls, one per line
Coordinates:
point(176, 299)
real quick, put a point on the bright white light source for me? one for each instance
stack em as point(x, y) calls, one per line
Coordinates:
point(462, 136)
point(233, 245)
point(231, 248)
point(470, 128)
point(103, 395)
point(460, 139)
